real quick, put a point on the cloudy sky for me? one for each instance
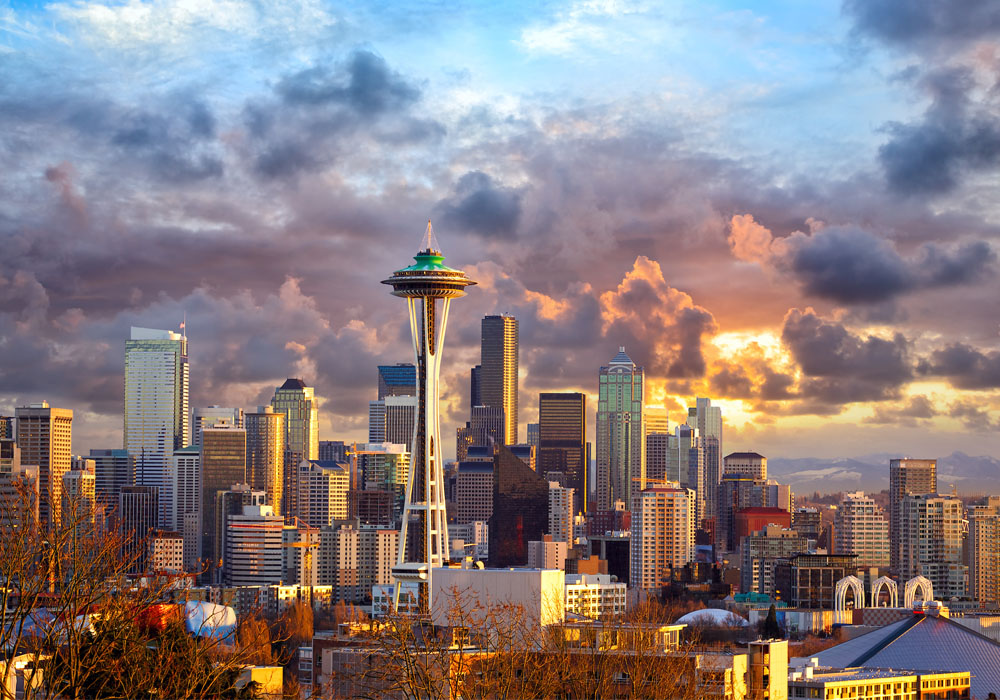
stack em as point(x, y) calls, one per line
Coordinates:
point(791, 207)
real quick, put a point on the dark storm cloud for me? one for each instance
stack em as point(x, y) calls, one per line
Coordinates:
point(839, 366)
point(955, 137)
point(320, 113)
point(849, 265)
point(365, 84)
point(480, 206)
point(964, 366)
point(907, 22)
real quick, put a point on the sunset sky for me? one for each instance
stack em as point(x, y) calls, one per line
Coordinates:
point(791, 208)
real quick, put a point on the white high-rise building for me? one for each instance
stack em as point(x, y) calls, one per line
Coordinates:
point(862, 529)
point(391, 419)
point(322, 496)
point(561, 512)
point(253, 550)
point(663, 526)
point(187, 497)
point(156, 410)
point(211, 416)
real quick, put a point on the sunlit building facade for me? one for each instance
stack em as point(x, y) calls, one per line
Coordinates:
point(44, 436)
point(498, 376)
point(156, 409)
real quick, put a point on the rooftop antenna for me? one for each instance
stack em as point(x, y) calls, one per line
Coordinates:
point(184, 324)
point(430, 240)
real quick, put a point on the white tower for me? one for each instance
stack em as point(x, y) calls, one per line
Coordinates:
point(425, 521)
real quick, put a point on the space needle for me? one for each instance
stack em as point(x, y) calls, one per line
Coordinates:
point(423, 541)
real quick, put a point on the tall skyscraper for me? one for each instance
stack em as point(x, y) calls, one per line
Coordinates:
point(621, 434)
point(562, 441)
point(425, 520)
point(686, 465)
point(209, 416)
point(862, 530)
point(188, 500)
point(156, 409)
point(663, 525)
point(44, 435)
point(397, 380)
point(906, 476)
point(266, 454)
point(498, 376)
point(297, 401)
point(984, 552)
point(707, 419)
point(931, 542)
point(223, 464)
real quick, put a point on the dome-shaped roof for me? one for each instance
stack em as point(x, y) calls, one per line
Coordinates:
point(713, 617)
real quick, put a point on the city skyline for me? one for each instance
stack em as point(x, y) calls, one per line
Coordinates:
point(829, 279)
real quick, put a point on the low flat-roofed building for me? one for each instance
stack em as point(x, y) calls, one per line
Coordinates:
point(884, 684)
point(472, 594)
point(595, 596)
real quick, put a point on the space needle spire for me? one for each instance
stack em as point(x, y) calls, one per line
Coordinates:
point(423, 541)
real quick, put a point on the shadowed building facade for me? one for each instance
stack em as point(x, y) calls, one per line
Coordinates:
point(520, 509)
point(562, 441)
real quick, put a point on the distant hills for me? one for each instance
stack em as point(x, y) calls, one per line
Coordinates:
point(969, 474)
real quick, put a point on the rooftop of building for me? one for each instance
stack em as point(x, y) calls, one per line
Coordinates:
point(621, 358)
point(291, 384)
point(758, 510)
point(744, 455)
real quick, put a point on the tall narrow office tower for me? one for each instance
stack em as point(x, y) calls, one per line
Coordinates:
point(423, 284)
point(156, 409)
point(906, 477)
point(297, 401)
point(498, 376)
point(44, 435)
point(223, 464)
point(707, 419)
point(621, 434)
point(266, 454)
point(562, 441)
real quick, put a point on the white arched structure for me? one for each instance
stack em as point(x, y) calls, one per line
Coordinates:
point(893, 592)
point(840, 593)
point(910, 591)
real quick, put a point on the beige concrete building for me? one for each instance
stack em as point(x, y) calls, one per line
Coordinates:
point(44, 435)
point(749, 463)
point(663, 525)
point(906, 476)
point(862, 529)
point(561, 513)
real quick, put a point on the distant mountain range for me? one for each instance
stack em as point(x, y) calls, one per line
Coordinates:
point(968, 474)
